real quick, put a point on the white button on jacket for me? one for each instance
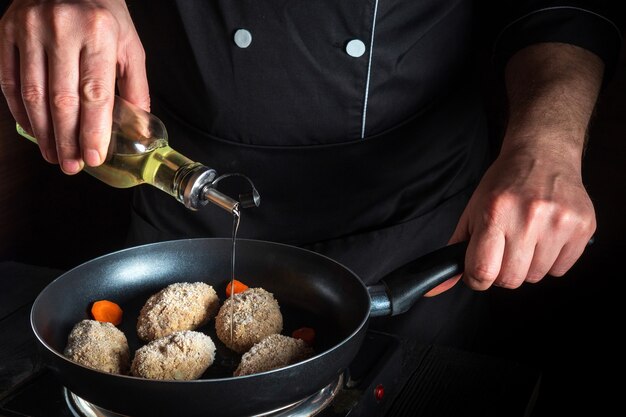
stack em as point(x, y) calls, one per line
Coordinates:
point(243, 38)
point(355, 48)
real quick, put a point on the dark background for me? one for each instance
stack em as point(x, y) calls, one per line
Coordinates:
point(567, 327)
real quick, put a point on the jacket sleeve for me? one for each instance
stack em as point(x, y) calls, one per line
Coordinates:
point(594, 25)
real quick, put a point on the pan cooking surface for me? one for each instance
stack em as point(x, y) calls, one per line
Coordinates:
point(130, 277)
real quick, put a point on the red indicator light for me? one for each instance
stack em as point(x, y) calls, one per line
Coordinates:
point(379, 392)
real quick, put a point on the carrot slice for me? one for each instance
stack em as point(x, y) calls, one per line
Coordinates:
point(239, 287)
point(107, 311)
point(306, 334)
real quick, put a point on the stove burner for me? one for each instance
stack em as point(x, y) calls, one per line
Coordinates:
point(309, 406)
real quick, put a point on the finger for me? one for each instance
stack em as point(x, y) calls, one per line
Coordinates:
point(443, 287)
point(63, 64)
point(132, 78)
point(97, 86)
point(483, 258)
point(568, 255)
point(34, 91)
point(516, 260)
point(574, 247)
point(544, 257)
point(10, 83)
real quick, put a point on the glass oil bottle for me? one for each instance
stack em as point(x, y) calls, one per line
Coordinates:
point(139, 153)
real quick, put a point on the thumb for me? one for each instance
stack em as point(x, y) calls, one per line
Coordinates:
point(443, 287)
point(460, 234)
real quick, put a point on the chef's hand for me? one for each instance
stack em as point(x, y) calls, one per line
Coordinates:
point(59, 62)
point(530, 215)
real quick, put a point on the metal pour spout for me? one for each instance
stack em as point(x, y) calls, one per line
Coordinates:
point(220, 199)
point(246, 200)
point(197, 186)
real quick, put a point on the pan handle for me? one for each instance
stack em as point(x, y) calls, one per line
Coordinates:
point(399, 290)
point(403, 287)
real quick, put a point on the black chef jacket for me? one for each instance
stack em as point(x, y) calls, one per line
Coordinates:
point(360, 122)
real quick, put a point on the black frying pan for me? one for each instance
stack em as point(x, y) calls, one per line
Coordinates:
point(312, 290)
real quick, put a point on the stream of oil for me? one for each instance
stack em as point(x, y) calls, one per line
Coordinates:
point(236, 219)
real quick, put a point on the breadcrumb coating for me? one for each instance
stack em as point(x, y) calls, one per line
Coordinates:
point(256, 316)
point(179, 356)
point(275, 351)
point(179, 306)
point(98, 345)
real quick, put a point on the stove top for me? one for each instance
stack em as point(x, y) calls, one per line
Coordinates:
point(310, 406)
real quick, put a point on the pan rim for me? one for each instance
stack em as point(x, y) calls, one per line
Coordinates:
point(364, 321)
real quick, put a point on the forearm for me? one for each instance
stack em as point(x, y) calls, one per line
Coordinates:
point(552, 89)
point(530, 214)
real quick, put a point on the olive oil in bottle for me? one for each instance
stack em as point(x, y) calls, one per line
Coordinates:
point(139, 153)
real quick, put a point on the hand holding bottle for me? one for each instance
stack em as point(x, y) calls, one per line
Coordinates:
point(59, 64)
